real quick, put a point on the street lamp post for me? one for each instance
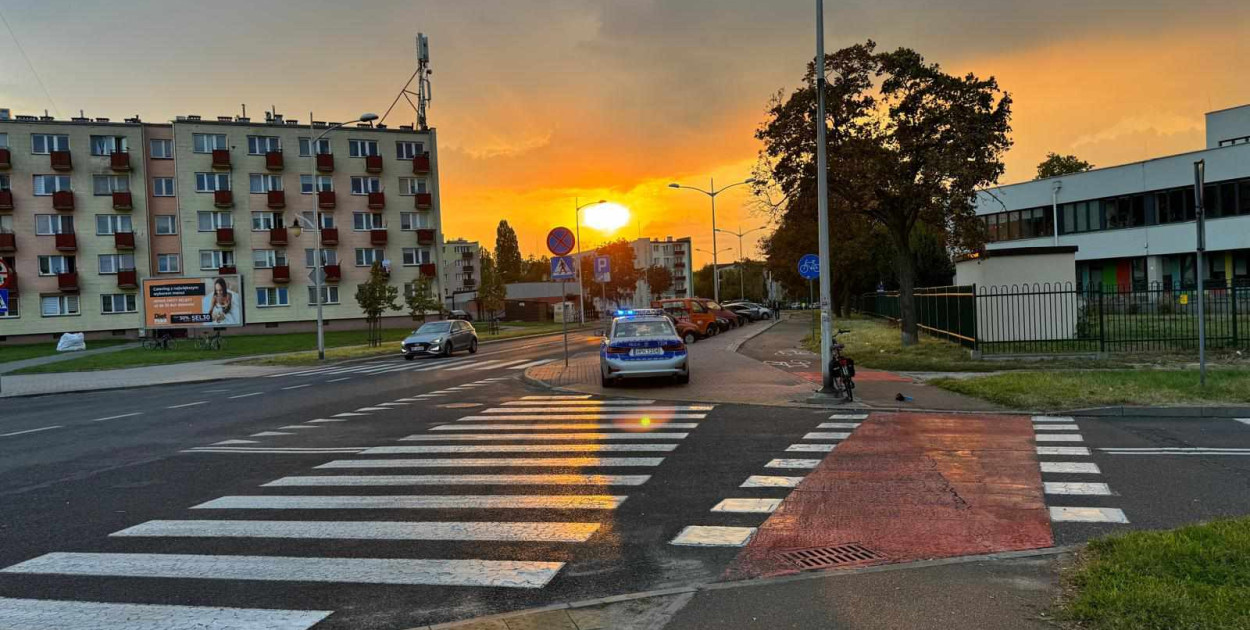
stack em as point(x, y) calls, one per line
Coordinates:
point(715, 268)
point(712, 192)
point(577, 223)
point(742, 293)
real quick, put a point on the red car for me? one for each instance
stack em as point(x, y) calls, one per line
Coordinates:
point(735, 320)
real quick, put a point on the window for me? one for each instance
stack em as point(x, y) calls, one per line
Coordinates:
point(109, 184)
point(366, 257)
point(43, 143)
point(52, 265)
point(216, 259)
point(168, 263)
point(328, 257)
point(49, 224)
point(417, 256)
point(361, 148)
point(262, 183)
point(366, 185)
point(1243, 196)
point(108, 145)
point(265, 221)
point(408, 150)
point(106, 224)
point(58, 305)
point(112, 263)
point(367, 221)
point(163, 187)
point(268, 258)
point(4, 140)
point(327, 220)
point(324, 183)
point(209, 182)
point(414, 221)
point(47, 184)
point(271, 296)
point(211, 221)
point(117, 303)
point(323, 146)
point(161, 149)
point(4, 182)
point(329, 295)
point(207, 142)
point(6, 224)
point(260, 145)
point(412, 185)
point(14, 310)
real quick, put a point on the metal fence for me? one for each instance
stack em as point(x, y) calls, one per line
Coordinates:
point(1053, 319)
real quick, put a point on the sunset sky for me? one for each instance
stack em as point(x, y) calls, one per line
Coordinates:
point(538, 102)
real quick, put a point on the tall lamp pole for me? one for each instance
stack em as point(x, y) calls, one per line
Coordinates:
point(715, 268)
point(577, 222)
point(822, 208)
point(742, 293)
point(711, 192)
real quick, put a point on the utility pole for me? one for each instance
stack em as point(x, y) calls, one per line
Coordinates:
point(822, 208)
point(1200, 175)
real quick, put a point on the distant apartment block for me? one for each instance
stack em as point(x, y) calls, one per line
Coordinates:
point(461, 267)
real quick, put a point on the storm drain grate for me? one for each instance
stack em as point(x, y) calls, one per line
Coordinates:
point(835, 556)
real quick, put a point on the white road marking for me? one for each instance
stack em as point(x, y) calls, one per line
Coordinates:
point(566, 427)
point(837, 425)
point(518, 448)
point(338, 380)
point(810, 448)
point(1062, 437)
point(270, 434)
point(50, 613)
point(190, 404)
point(531, 364)
point(58, 426)
point(826, 436)
point(1200, 451)
point(498, 462)
point(1084, 468)
point(1069, 487)
point(584, 416)
point(231, 442)
point(349, 414)
point(749, 506)
point(1087, 515)
point(246, 395)
point(768, 481)
point(124, 415)
point(298, 386)
point(321, 420)
point(793, 463)
point(366, 530)
point(393, 404)
point(1056, 427)
point(639, 410)
point(545, 436)
point(1062, 450)
point(712, 536)
point(297, 426)
point(460, 480)
point(372, 409)
point(443, 365)
point(503, 364)
point(1245, 421)
point(849, 416)
point(346, 450)
point(576, 403)
point(1053, 419)
point(289, 569)
point(478, 364)
point(406, 400)
point(417, 502)
point(562, 397)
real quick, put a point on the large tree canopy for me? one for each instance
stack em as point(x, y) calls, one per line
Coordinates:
point(1055, 165)
point(507, 253)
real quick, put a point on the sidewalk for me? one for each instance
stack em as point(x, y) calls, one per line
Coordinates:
point(67, 382)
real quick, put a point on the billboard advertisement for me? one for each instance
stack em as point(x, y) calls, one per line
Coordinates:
point(192, 302)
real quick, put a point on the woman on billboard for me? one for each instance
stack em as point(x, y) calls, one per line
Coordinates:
point(221, 305)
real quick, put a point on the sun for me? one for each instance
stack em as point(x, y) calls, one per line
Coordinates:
point(607, 217)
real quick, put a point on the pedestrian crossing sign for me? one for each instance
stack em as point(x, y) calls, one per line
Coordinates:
point(4, 301)
point(562, 268)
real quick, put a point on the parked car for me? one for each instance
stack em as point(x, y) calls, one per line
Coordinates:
point(743, 310)
point(688, 332)
point(642, 345)
point(460, 315)
point(727, 318)
point(691, 309)
point(761, 312)
point(440, 339)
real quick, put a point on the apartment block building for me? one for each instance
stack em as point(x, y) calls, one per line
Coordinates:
point(89, 208)
point(676, 255)
point(461, 263)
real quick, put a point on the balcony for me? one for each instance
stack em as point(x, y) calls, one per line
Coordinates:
point(61, 161)
point(221, 158)
point(122, 199)
point(66, 242)
point(6, 200)
point(6, 160)
point(273, 160)
point(466, 255)
point(63, 200)
point(13, 282)
point(329, 237)
point(225, 236)
point(425, 237)
point(377, 200)
point(679, 265)
point(281, 274)
point(326, 199)
point(124, 240)
point(377, 237)
point(119, 161)
point(8, 242)
point(373, 163)
point(421, 164)
point(468, 283)
point(277, 236)
point(276, 198)
point(466, 269)
point(227, 270)
point(424, 201)
point(325, 162)
point(429, 270)
point(334, 273)
point(223, 198)
point(127, 279)
point(67, 281)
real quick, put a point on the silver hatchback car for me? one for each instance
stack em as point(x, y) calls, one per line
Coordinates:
point(641, 345)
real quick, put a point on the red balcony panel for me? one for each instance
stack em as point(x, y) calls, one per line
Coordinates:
point(377, 237)
point(277, 199)
point(424, 201)
point(277, 236)
point(466, 269)
point(8, 242)
point(329, 236)
point(66, 242)
point(61, 161)
point(333, 273)
point(127, 279)
point(6, 160)
point(223, 198)
point(6, 200)
point(119, 161)
point(373, 163)
point(325, 162)
point(273, 160)
point(421, 164)
point(377, 200)
point(225, 236)
point(122, 200)
point(12, 282)
point(425, 237)
point(227, 270)
point(124, 240)
point(67, 281)
point(221, 158)
point(63, 200)
point(429, 270)
point(326, 199)
point(282, 273)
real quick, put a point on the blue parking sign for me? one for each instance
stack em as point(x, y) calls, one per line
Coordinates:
point(603, 269)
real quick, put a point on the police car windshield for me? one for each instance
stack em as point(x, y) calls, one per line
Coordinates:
point(633, 330)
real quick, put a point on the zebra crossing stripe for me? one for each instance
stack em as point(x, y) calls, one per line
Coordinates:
point(460, 480)
point(517, 448)
point(713, 536)
point(1065, 487)
point(576, 403)
point(349, 414)
point(566, 427)
point(810, 448)
point(838, 425)
point(1087, 515)
point(269, 434)
point(748, 506)
point(849, 416)
point(1062, 450)
point(417, 502)
point(1085, 468)
point(322, 420)
point(544, 436)
point(583, 416)
point(768, 481)
point(272, 450)
point(826, 436)
point(1056, 427)
point(639, 409)
point(559, 397)
point(372, 409)
point(442, 365)
point(499, 462)
point(49, 613)
point(504, 364)
point(1053, 419)
point(366, 530)
point(531, 364)
point(793, 463)
point(424, 572)
point(478, 365)
point(1059, 437)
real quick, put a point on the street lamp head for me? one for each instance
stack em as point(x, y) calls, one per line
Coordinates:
point(602, 201)
point(749, 180)
point(674, 185)
point(368, 116)
point(296, 230)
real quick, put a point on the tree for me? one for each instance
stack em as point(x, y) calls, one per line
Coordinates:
point(376, 297)
point(908, 144)
point(507, 253)
point(421, 300)
point(490, 289)
point(1055, 165)
point(535, 269)
point(659, 280)
point(625, 276)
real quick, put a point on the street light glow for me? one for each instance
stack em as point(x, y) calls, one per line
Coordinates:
point(607, 217)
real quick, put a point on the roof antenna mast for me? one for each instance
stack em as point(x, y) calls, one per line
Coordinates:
point(424, 93)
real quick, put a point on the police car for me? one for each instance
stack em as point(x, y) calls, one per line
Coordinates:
point(642, 343)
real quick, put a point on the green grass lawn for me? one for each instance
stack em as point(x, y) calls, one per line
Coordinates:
point(1069, 389)
point(47, 348)
point(1195, 577)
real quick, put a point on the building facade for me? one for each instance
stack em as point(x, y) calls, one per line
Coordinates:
point(89, 208)
point(675, 255)
point(461, 262)
point(1134, 224)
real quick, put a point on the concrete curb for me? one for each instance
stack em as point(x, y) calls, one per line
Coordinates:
point(1202, 411)
point(217, 379)
point(733, 347)
point(785, 579)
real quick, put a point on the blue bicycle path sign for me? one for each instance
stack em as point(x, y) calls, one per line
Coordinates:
point(809, 266)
